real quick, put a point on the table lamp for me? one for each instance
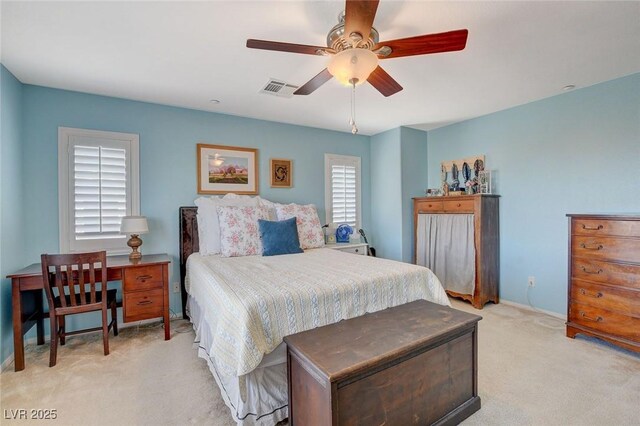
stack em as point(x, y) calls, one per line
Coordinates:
point(134, 226)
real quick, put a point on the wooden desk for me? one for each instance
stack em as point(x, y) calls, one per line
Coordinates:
point(145, 289)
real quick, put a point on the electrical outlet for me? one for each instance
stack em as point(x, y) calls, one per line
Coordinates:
point(532, 281)
point(176, 287)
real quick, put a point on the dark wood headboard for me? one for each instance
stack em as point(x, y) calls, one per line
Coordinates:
point(188, 244)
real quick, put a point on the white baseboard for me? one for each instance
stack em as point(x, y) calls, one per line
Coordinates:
point(33, 340)
point(529, 308)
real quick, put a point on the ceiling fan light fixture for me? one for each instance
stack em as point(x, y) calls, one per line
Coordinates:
point(353, 65)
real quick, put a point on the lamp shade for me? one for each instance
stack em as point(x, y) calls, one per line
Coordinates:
point(353, 64)
point(134, 225)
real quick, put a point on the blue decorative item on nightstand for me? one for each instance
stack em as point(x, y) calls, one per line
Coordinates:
point(343, 232)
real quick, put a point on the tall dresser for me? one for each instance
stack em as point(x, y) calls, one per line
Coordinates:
point(604, 278)
point(486, 240)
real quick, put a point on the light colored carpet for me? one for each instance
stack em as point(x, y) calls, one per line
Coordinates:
point(529, 374)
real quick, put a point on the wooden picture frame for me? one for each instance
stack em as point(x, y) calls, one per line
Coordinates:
point(223, 169)
point(281, 171)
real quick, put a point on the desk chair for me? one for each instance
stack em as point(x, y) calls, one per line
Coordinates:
point(77, 274)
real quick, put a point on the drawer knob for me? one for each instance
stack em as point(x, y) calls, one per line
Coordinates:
point(597, 295)
point(592, 246)
point(596, 319)
point(591, 228)
point(459, 205)
point(357, 250)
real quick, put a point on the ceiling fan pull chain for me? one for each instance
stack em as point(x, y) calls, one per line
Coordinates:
point(352, 122)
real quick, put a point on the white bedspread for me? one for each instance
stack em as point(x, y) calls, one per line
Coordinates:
point(252, 302)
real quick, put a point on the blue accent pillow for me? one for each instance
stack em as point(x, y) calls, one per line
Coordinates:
point(279, 237)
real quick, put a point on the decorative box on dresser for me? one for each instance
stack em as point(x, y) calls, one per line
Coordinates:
point(486, 239)
point(604, 278)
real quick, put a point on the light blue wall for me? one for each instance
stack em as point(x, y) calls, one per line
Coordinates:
point(574, 153)
point(11, 212)
point(398, 173)
point(168, 138)
point(386, 194)
point(413, 144)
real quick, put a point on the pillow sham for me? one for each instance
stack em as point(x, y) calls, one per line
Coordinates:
point(279, 237)
point(208, 223)
point(239, 230)
point(308, 223)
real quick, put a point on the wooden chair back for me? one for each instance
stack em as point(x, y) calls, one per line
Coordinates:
point(75, 275)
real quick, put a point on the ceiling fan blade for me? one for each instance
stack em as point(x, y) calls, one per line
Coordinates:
point(424, 44)
point(359, 16)
point(317, 81)
point(384, 82)
point(287, 47)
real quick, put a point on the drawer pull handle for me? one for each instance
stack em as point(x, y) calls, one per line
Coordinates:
point(591, 228)
point(592, 247)
point(145, 302)
point(597, 295)
point(143, 278)
point(587, 271)
point(596, 319)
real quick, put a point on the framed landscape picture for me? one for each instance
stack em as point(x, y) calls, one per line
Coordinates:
point(281, 173)
point(224, 169)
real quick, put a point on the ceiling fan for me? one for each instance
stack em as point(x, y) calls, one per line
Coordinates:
point(354, 47)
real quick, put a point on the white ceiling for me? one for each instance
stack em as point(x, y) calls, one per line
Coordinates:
point(186, 53)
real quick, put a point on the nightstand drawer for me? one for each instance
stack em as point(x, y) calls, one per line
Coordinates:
point(143, 305)
point(355, 250)
point(142, 278)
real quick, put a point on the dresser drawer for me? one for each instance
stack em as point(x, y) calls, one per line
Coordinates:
point(143, 305)
point(429, 206)
point(624, 275)
point(461, 206)
point(605, 321)
point(142, 278)
point(611, 248)
point(616, 299)
point(622, 228)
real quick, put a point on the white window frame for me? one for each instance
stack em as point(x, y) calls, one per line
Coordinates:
point(348, 160)
point(66, 201)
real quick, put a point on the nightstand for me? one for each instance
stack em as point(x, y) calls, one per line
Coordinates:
point(354, 248)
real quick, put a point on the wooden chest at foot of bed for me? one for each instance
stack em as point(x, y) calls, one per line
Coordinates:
point(412, 364)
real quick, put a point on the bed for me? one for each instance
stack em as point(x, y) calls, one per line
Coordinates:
point(242, 307)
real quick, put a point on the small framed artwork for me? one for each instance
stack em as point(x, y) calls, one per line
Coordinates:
point(224, 169)
point(281, 173)
point(484, 182)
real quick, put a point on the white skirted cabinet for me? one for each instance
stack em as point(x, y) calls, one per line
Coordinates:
point(457, 238)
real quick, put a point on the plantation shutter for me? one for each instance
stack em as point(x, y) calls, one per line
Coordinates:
point(342, 189)
point(100, 191)
point(344, 196)
point(98, 184)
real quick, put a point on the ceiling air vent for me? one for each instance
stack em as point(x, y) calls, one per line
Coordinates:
point(279, 88)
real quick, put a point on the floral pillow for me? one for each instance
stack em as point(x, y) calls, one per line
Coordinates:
point(239, 230)
point(309, 227)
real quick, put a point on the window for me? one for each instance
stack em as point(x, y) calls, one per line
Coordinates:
point(342, 189)
point(98, 183)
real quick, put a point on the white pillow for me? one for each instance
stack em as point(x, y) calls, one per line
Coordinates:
point(239, 234)
point(208, 223)
point(269, 205)
point(309, 227)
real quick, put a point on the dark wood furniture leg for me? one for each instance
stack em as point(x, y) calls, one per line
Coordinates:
point(18, 341)
point(167, 321)
point(39, 303)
